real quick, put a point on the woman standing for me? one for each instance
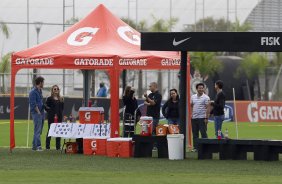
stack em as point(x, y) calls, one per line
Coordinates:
point(130, 103)
point(170, 109)
point(54, 107)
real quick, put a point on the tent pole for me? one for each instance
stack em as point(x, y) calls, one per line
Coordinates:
point(188, 92)
point(114, 79)
point(86, 87)
point(12, 104)
point(28, 119)
point(183, 98)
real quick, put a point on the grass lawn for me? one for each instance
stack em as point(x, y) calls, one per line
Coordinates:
point(246, 130)
point(26, 166)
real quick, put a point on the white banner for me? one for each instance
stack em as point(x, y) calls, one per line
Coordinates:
point(76, 130)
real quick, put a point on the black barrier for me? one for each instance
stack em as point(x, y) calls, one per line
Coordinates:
point(72, 106)
point(230, 149)
point(213, 41)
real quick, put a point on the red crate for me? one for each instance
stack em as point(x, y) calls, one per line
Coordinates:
point(95, 146)
point(71, 147)
point(119, 147)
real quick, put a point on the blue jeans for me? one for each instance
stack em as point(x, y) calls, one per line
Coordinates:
point(218, 124)
point(173, 121)
point(38, 125)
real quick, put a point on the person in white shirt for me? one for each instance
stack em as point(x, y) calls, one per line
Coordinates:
point(200, 113)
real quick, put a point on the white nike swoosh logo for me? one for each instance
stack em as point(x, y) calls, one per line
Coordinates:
point(8, 110)
point(175, 43)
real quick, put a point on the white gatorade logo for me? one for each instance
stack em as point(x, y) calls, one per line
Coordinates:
point(127, 34)
point(87, 116)
point(94, 144)
point(161, 131)
point(252, 112)
point(269, 112)
point(82, 36)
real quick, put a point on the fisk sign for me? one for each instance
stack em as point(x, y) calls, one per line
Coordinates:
point(270, 41)
point(248, 111)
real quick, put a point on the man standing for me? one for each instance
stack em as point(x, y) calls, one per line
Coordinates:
point(200, 113)
point(218, 108)
point(102, 92)
point(153, 102)
point(37, 112)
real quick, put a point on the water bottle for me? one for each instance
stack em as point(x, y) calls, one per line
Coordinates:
point(56, 119)
point(89, 103)
point(71, 118)
point(218, 134)
point(226, 133)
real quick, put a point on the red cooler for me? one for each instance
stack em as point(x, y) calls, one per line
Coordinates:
point(146, 123)
point(91, 115)
point(119, 147)
point(95, 146)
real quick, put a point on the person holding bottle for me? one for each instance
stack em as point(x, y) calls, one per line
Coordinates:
point(54, 107)
point(153, 102)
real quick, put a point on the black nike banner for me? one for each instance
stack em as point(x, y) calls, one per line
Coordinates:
point(213, 41)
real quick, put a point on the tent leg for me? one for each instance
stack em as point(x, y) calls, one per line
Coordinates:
point(189, 135)
point(86, 87)
point(12, 112)
point(114, 77)
point(183, 99)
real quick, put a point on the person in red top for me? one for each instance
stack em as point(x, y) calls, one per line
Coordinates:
point(54, 107)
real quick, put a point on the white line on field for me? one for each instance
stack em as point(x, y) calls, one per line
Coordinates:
point(2, 123)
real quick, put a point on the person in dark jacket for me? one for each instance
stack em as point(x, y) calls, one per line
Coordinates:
point(170, 109)
point(153, 102)
point(218, 107)
point(130, 103)
point(54, 107)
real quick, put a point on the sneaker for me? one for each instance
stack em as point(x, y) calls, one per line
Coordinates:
point(194, 150)
point(39, 149)
point(33, 149)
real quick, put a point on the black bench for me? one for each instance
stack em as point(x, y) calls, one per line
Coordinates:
point(236, 149)
point(143, 146)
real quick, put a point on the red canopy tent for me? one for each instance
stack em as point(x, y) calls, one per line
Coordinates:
point(99, 41)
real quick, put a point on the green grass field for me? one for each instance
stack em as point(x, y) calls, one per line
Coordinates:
point(26, 166)
point(246, 130)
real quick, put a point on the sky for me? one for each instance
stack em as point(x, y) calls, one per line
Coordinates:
point(51, 11)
